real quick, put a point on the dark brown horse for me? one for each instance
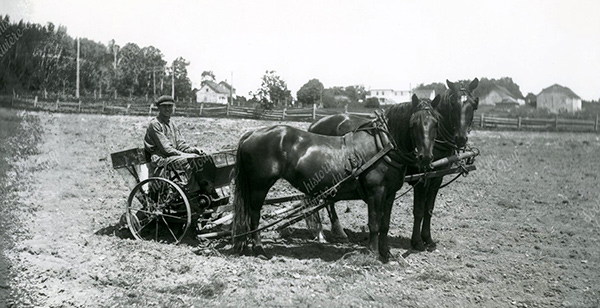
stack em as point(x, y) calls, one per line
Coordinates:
point(457, 107)
point(313, 163)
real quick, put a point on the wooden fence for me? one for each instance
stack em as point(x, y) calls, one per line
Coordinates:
point(545, 124)
point(293, 114)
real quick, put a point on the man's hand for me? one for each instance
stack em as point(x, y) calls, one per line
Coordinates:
point(197, 151)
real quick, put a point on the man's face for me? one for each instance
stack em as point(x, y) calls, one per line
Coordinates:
point(165, 110)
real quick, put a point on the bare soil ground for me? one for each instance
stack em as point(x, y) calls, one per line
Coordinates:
point(521, 231)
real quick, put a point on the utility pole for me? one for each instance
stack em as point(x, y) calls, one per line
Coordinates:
point(77, 81)
point(231, 90)
point(114, 47)
point(173, 81)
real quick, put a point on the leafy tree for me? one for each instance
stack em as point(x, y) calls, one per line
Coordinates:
point(355, 93)
point(310, 93)
point(531, 99)
point(130, 68)
point(183, 85)
point(154, 70)
point(208, 76)
point(273, 90)
point(329, 97)
point(438, 87)
point(372, 102)
point(486, 85)
point(43, 58)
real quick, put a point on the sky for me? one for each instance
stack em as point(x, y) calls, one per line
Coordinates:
point(378, 44)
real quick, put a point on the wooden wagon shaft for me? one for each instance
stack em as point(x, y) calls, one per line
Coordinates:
point(283, 210)
point(284, 199)
point(308, 212)
point(434, 174)
point(214, 234)
point(454, 158)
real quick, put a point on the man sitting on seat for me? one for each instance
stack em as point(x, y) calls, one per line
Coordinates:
point(167, 149)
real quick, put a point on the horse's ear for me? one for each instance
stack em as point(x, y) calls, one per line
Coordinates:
point(450, 84)
point(415, 100)
point(473, 84)
point(436, 101)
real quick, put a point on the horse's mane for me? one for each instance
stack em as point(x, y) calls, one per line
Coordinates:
point(398, 117)
point(402, 116)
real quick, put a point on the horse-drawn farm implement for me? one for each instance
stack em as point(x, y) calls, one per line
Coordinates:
point(162, 209)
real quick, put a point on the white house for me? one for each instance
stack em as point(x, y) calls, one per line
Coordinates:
point(557, 98)
point(390, 96)
point(212, 92)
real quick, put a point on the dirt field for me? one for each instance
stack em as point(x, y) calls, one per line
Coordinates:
point(521, 231)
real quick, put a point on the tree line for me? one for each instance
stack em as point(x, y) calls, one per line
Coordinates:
point(43, 58)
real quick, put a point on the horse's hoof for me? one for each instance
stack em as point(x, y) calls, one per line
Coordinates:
point(260, 253)
point(385, 257)
point(432, 246)
point(417, 245)
point(338, 231)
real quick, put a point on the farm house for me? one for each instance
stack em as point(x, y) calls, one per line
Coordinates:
point(390, 96)
point(212, 92)
point(557, 98)
point(500, 96)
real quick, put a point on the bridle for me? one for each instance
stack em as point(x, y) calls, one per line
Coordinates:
point(447, 137)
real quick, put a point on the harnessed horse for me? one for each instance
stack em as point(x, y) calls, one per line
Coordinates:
point(456, 108)
point(314, 163)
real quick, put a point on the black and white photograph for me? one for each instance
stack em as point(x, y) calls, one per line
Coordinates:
point(265, 153)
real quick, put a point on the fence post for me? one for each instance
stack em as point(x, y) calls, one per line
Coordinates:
point(201, 108)
point(127, 111)
point(79, 107)
point(35, 102)
point(283, 113)
point(314, 113)
point(150, 110)
point(57, 104)
point(227, 110)
point(481, 121)
point(519, 123)
point(103, 106)
point(596, 123)
point(556, 122)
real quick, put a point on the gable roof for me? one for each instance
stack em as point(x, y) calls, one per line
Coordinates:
point(556, 88)
point(217, 87)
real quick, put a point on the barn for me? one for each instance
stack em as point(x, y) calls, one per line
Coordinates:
point(557, 98)
point(212, 92)
point(500, 96)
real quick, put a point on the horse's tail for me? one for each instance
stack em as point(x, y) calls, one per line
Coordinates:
point(241, 199)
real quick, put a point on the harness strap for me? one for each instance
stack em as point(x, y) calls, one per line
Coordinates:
point(395, 158)
point(373, 160)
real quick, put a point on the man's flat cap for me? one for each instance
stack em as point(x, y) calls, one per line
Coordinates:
point(165, 100)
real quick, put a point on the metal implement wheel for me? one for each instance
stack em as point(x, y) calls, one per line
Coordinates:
point(158, 209)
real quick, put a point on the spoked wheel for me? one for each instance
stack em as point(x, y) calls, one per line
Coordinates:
point(158, 209)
